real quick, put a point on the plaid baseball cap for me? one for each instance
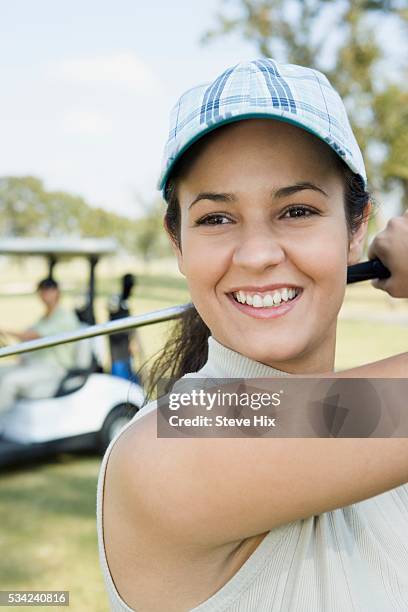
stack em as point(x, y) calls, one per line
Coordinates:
point(262, 88)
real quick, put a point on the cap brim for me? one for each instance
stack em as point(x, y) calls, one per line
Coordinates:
point(255, 115)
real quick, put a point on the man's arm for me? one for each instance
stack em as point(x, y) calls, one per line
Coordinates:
point(23, 336)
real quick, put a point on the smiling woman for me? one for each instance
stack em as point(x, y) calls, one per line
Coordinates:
point(266, 207)
point(270, 217)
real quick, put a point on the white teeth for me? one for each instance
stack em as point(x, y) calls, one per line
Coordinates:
point(277, 298)
point(285, 294)
point(266, 301)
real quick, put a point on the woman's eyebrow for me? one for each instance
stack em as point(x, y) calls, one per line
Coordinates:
point(291, 189)
point(215, 197)
point(282, 192)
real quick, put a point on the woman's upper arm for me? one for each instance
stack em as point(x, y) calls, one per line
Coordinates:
point(210, 491)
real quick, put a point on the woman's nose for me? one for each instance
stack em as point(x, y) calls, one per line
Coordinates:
point(258, 249)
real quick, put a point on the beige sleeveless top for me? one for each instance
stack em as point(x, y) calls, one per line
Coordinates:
point(350, 559)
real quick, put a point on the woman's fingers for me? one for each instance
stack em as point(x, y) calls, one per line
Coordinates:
point(391, 247)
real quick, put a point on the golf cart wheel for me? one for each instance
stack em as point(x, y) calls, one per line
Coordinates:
point(114, 422)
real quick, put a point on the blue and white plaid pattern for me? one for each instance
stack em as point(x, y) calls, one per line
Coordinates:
point(263, 88)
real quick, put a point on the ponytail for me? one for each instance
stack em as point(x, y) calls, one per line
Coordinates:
point(185, 350)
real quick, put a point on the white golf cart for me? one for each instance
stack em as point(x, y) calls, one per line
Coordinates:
point(90, 406)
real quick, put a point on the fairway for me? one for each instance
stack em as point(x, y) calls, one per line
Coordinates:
point(47, 512)
point(48, 538)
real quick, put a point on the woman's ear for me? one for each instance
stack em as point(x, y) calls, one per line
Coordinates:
point(356, 244)
point(175, 247)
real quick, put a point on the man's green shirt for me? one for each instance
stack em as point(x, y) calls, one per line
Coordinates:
point(59, 321)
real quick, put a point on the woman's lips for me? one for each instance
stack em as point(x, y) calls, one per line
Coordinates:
point(265, 313)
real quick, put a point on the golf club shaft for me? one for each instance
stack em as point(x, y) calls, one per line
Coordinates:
point(156, 316)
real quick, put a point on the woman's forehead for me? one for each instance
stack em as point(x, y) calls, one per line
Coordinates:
point(265, 140)
point(245, 152)
point(268, 133)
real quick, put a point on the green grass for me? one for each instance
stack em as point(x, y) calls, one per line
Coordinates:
point(360, 342)
point(47, 512)
point(48, 538)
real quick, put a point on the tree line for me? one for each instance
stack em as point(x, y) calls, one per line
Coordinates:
point(27, 208)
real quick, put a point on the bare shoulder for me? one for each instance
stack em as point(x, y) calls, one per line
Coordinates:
point(145, 479)
point(129, 540)
point(125, 470)
point(138, 508)
point(141, 541)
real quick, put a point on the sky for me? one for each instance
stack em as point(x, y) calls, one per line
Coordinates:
point(87, 89)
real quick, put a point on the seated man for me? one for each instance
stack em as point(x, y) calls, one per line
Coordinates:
point(39, 373)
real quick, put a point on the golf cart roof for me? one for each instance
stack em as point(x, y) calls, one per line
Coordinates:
point(58, 248)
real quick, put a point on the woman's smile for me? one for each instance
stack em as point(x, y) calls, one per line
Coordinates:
point(261, 308)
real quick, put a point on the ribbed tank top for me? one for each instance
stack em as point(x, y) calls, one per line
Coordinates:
point(350, 559)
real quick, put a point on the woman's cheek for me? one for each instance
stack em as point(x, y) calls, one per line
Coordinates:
point(331, 275)
point(204, 260)
point(322, 262)
point(200, 274)
point(325, 251)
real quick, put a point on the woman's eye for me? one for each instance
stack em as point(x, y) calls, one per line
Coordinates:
point(296, 212)
point(211, 220)
point(297, 209)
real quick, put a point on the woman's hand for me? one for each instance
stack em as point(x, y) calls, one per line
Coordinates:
point(391, 247)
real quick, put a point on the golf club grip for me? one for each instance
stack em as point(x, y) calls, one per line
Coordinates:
point(365, 270)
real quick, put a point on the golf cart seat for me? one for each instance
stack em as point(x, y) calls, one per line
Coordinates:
point(86, 364)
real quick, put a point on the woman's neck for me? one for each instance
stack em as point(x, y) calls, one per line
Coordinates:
point(224, 362)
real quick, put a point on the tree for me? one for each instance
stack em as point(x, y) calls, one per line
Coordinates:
point(22, 205)
point(391, 121)
point(28, 209)
point(291, 31)
point(151, 238)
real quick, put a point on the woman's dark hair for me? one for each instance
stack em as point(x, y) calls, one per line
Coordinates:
point(186, 348)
